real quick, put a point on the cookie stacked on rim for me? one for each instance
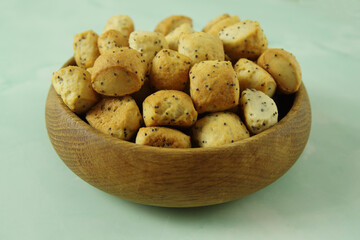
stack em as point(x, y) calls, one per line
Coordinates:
point(177, 87)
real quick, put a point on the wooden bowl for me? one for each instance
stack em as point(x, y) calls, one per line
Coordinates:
point(178, 177)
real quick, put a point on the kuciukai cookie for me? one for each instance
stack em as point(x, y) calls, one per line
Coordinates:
point(85, 48)
point(216, 129)
point(214, 86)
point(259, 110)
point(283, 67)
point(73, 84)
point(118, 73)
point(119, 117)
point(162, 137)
point(251, 75)
point(169, 107)
point(170, 70)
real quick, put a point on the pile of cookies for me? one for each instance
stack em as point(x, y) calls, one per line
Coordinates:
point(177, 87)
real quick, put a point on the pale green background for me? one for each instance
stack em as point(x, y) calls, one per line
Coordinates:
point(319, 198)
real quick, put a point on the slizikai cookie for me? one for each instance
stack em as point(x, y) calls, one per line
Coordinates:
point(119, 73)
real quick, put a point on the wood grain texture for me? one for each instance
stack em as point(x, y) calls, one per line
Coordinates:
point(178, 177)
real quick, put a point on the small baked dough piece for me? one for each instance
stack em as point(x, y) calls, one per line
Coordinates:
point(121, 23)
point(173, 37)
point(112, 39)
point(258, 109)
point(119, 73)
point(216, 129)
point(162, 137)
point(74, 86)
point(169, 24)
point(214, 21)
point(214, 86)
point(169, 107)
point(251, 75)
point(244, 39)
point(119, 117)
point(85, 48)
point(170, 70)
point(283, 67)
point(200, 46)
point(148, 44)
point(217, 27)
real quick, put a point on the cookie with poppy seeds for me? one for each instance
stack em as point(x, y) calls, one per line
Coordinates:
point(214, 86)
point(73, 84)
point(119, 117)
point(112, 39)
point(200, 46)
point(283, 67)
point(169, 24)
point(169, 107)
point(170, 70)
point(214, 21)
point(122, 23)
point(259, 111)
point(118, 72)
point(251, 75)
point(173, 37)
point(162, 137)
point(148, 44)
point(220, 25)
point(216, 129)
point(245, 39)
point(85, 48)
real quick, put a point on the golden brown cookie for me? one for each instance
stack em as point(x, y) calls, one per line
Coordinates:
point(217, 27)
point(169, 107)
point(173, 37)
point(244, 39)
point(148, 44)
point(200, 46)
point(214, 86)
point(251, 75)
point(168, 24)
point(112, 39)
point(162, 137)
point(119, 117)
point(170, 70)
point(85, 48)
point(258, 109)
point(119, 73)
point(215, 21)
point(283, 67)
point(216, 129)
point(73, 84)
point(121, 23)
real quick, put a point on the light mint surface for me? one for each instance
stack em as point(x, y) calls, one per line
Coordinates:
point(319, 198)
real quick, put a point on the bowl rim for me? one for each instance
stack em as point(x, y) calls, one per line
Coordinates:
point(299, 95)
